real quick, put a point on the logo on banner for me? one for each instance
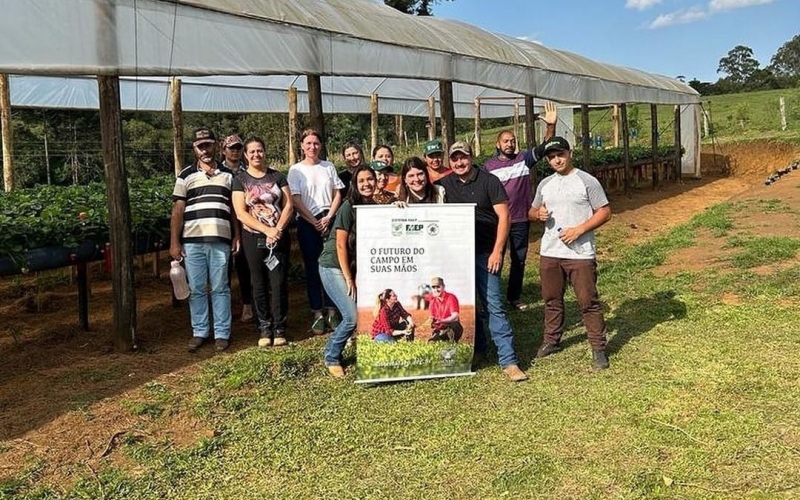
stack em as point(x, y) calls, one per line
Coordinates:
point(433, 229)
point(397, 229)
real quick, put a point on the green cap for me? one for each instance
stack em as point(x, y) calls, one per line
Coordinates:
point(380, 166)
point(434, 146)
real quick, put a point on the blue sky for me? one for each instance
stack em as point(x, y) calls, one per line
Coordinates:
point(668, 37)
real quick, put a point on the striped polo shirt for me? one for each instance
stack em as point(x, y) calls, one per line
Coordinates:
point(207, 216)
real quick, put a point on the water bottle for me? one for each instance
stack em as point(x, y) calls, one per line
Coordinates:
point(180, 285)
point(575, 246)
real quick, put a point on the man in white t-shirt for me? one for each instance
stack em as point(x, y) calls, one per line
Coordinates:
point(572, 205)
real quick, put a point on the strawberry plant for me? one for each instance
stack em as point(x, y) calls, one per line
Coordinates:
point(66, 216)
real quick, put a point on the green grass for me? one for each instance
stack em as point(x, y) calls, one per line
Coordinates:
point(759, 251)
point(701, 402)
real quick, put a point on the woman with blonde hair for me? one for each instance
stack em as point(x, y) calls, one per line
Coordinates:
point(390, 317)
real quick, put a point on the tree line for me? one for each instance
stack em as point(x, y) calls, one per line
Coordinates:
point(743, 72)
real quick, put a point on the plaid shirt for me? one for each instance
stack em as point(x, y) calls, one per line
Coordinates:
point(389, 319)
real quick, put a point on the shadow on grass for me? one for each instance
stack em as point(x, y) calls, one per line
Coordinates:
point(638, 316)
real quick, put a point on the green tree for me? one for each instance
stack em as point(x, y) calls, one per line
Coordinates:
point(739, 65)
point(786, 61)
point(416, 7)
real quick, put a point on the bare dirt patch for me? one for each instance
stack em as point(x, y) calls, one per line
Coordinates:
point(761, 211)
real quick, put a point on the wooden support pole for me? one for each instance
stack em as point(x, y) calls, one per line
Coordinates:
point(373, 122)
point(654, 141)
point(431, 118)
point(477, 147)
point(157, 261)
point(678, 169)
point(782, 110)
point(8, 140)
point(530, 123)
point(516, 119)
point(585, 138)
point(292, 146)
point(83, 295)
point(615, 125)
point(448, 112)
point(123, 332)
point(626, 151)
point(316, 118)
point(399, 133)
point(177, 124)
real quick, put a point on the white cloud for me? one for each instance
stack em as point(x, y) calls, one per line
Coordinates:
point(528, 39)
point(720, 5)
point(684, 16)
point(640, 4)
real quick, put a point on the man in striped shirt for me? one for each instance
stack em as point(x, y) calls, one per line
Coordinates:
point(514, 171)
point(203, 231)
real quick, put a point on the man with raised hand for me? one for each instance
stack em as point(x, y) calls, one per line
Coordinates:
point(203, 230)
point(468, 184)
point(572, 204)
point(513, 168)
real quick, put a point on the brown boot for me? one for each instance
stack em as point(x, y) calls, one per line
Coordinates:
point(514, 373)
point(336, 371)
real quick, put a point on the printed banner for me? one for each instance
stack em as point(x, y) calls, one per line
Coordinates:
point(416, 291)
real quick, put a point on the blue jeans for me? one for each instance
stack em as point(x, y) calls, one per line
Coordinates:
point(384, 338)
point(207, 263)
point(491, 303)
point(310, 242)
point(334, 283)
point(518, 250)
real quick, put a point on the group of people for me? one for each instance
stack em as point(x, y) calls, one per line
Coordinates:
point(244, 208)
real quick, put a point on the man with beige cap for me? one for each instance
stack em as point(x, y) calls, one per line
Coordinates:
point(468, 184)
point(445, 313)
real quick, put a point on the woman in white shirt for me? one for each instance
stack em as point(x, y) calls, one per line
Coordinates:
point(315, 186)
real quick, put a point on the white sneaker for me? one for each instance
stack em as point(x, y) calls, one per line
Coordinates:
point(247, 312)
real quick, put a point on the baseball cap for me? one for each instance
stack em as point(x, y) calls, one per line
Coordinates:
point(203, 135)
point(434, 146)
point(460, 146)
point(380, 166)
point(232, 140)
point(556, 143)
point(437, 281)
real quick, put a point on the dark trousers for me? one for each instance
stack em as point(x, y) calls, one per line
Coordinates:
point(270, 288)
point(518, 248)
point(243, 273)
point(310, 242)
point(582, 274)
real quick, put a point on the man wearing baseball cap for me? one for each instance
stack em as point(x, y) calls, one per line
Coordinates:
point(468, 184)
point(203, 231)
point(445, 313)
point(513, 168)
point(232, 152)
point(572, 204)
point(433, 151)
point(382, 195)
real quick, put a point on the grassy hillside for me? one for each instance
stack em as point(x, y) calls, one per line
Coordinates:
point(733, 117)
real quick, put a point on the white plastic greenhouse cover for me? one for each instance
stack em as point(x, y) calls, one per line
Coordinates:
point(361, 39)
point(295, 37)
